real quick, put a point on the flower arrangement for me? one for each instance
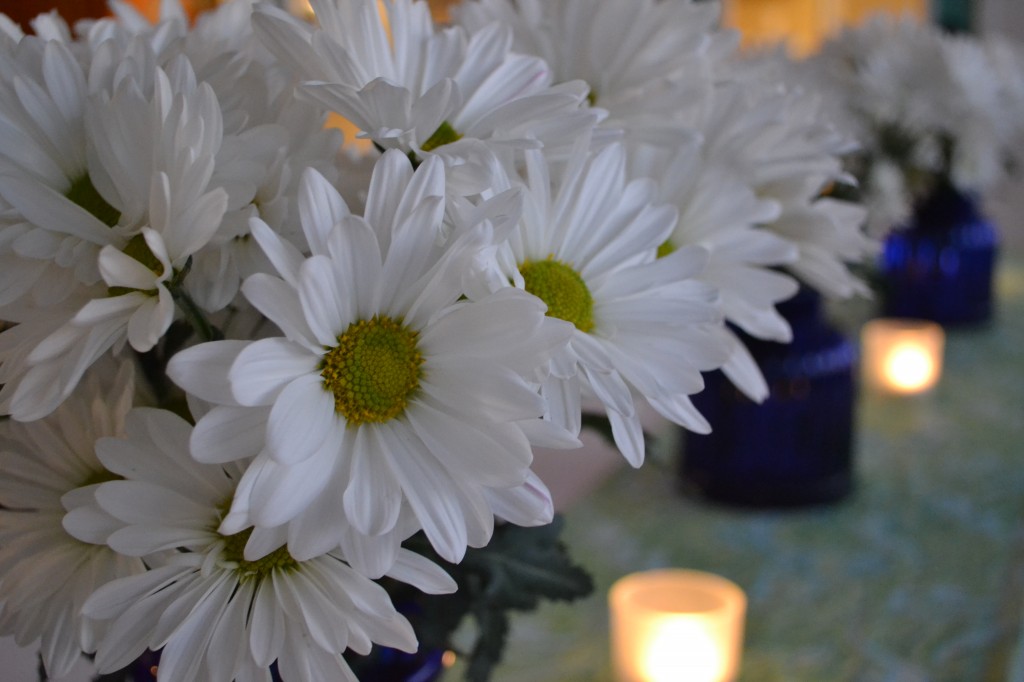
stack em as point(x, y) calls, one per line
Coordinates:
point(260, 390)
point(931, 109)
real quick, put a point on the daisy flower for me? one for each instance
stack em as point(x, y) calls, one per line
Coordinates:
point(587, 246)
point(157, 155)
point(49, 564)
point(259, 164)
point(929, 109)
point(644, 61)
point(409, 85)
point(720, 212)
point(214, 614)
point(793, 156)
point(47, 155)
point(387, 391)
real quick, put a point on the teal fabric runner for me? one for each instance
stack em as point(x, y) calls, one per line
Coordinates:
point(917, 577)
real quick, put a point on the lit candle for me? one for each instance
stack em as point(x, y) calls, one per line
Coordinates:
point(674, 624)
point(901, 356)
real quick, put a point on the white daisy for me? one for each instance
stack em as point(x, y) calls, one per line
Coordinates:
point(260, 168)
point(793, 156)
point(644, 61)
point(934, 107)
point(268, 136)
point(587, 246)
point(214, 614)
point(386, 392)
point(409, 85)
point(44, 153)
point(157, 154)
point(720, 212)
point(49, 567)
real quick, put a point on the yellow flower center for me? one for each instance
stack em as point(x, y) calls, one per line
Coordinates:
point(373, 371)
point(562, 289)
point(84, 194)
point(278, 560)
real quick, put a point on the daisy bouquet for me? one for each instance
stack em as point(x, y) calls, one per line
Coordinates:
point(267, 400)
point(932, 111)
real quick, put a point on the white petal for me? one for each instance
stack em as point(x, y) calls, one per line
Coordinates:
point(301, 420)
point(121, 270)
point(527, 505)
point(629, 437)
point(320, 209)
point(432, 494)
point(202, 370)
point(327, 304)
point(422, 573)
point(357, 265)
point(280, 493)
point(49, 210)
point(482, 388)
point(544, 433)
point(304, 602)
point(151, 320)
point(142, 502)
point(264, 368)
point(285, 258)
point(743, 371)
point(372, 556)
point(373, 498)
point(267, 626)
point(391, 171)
point(495, 455)
point(226, 434)
point(279, 301)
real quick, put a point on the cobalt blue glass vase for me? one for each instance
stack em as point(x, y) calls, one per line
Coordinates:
point(940, 265)
point(385, 664)
point(795, 448)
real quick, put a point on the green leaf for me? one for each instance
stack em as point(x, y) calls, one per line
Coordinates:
point(490, 644)
point(516, 571)
point(526, 565)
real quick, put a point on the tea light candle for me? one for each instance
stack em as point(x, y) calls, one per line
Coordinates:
point(675, 624)
point(901, 356)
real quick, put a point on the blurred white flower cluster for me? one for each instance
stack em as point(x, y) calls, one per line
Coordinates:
point(244, 365)
point(931, 109)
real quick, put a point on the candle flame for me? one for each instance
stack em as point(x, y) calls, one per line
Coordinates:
point(909, 368)
point(683, 649)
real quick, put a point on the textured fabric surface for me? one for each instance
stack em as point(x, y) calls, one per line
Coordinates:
point(917, 576)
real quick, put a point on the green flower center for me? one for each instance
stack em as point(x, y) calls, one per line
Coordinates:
point(445, 134)
point(84, 194)
point(373, 371)
point(666, 248)
point(562, 289)
point(278, 560)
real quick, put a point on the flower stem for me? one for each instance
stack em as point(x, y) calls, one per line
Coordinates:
point(194, 316)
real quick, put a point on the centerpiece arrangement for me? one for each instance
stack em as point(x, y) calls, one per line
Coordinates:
point(939, 117)
point(269, 402)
